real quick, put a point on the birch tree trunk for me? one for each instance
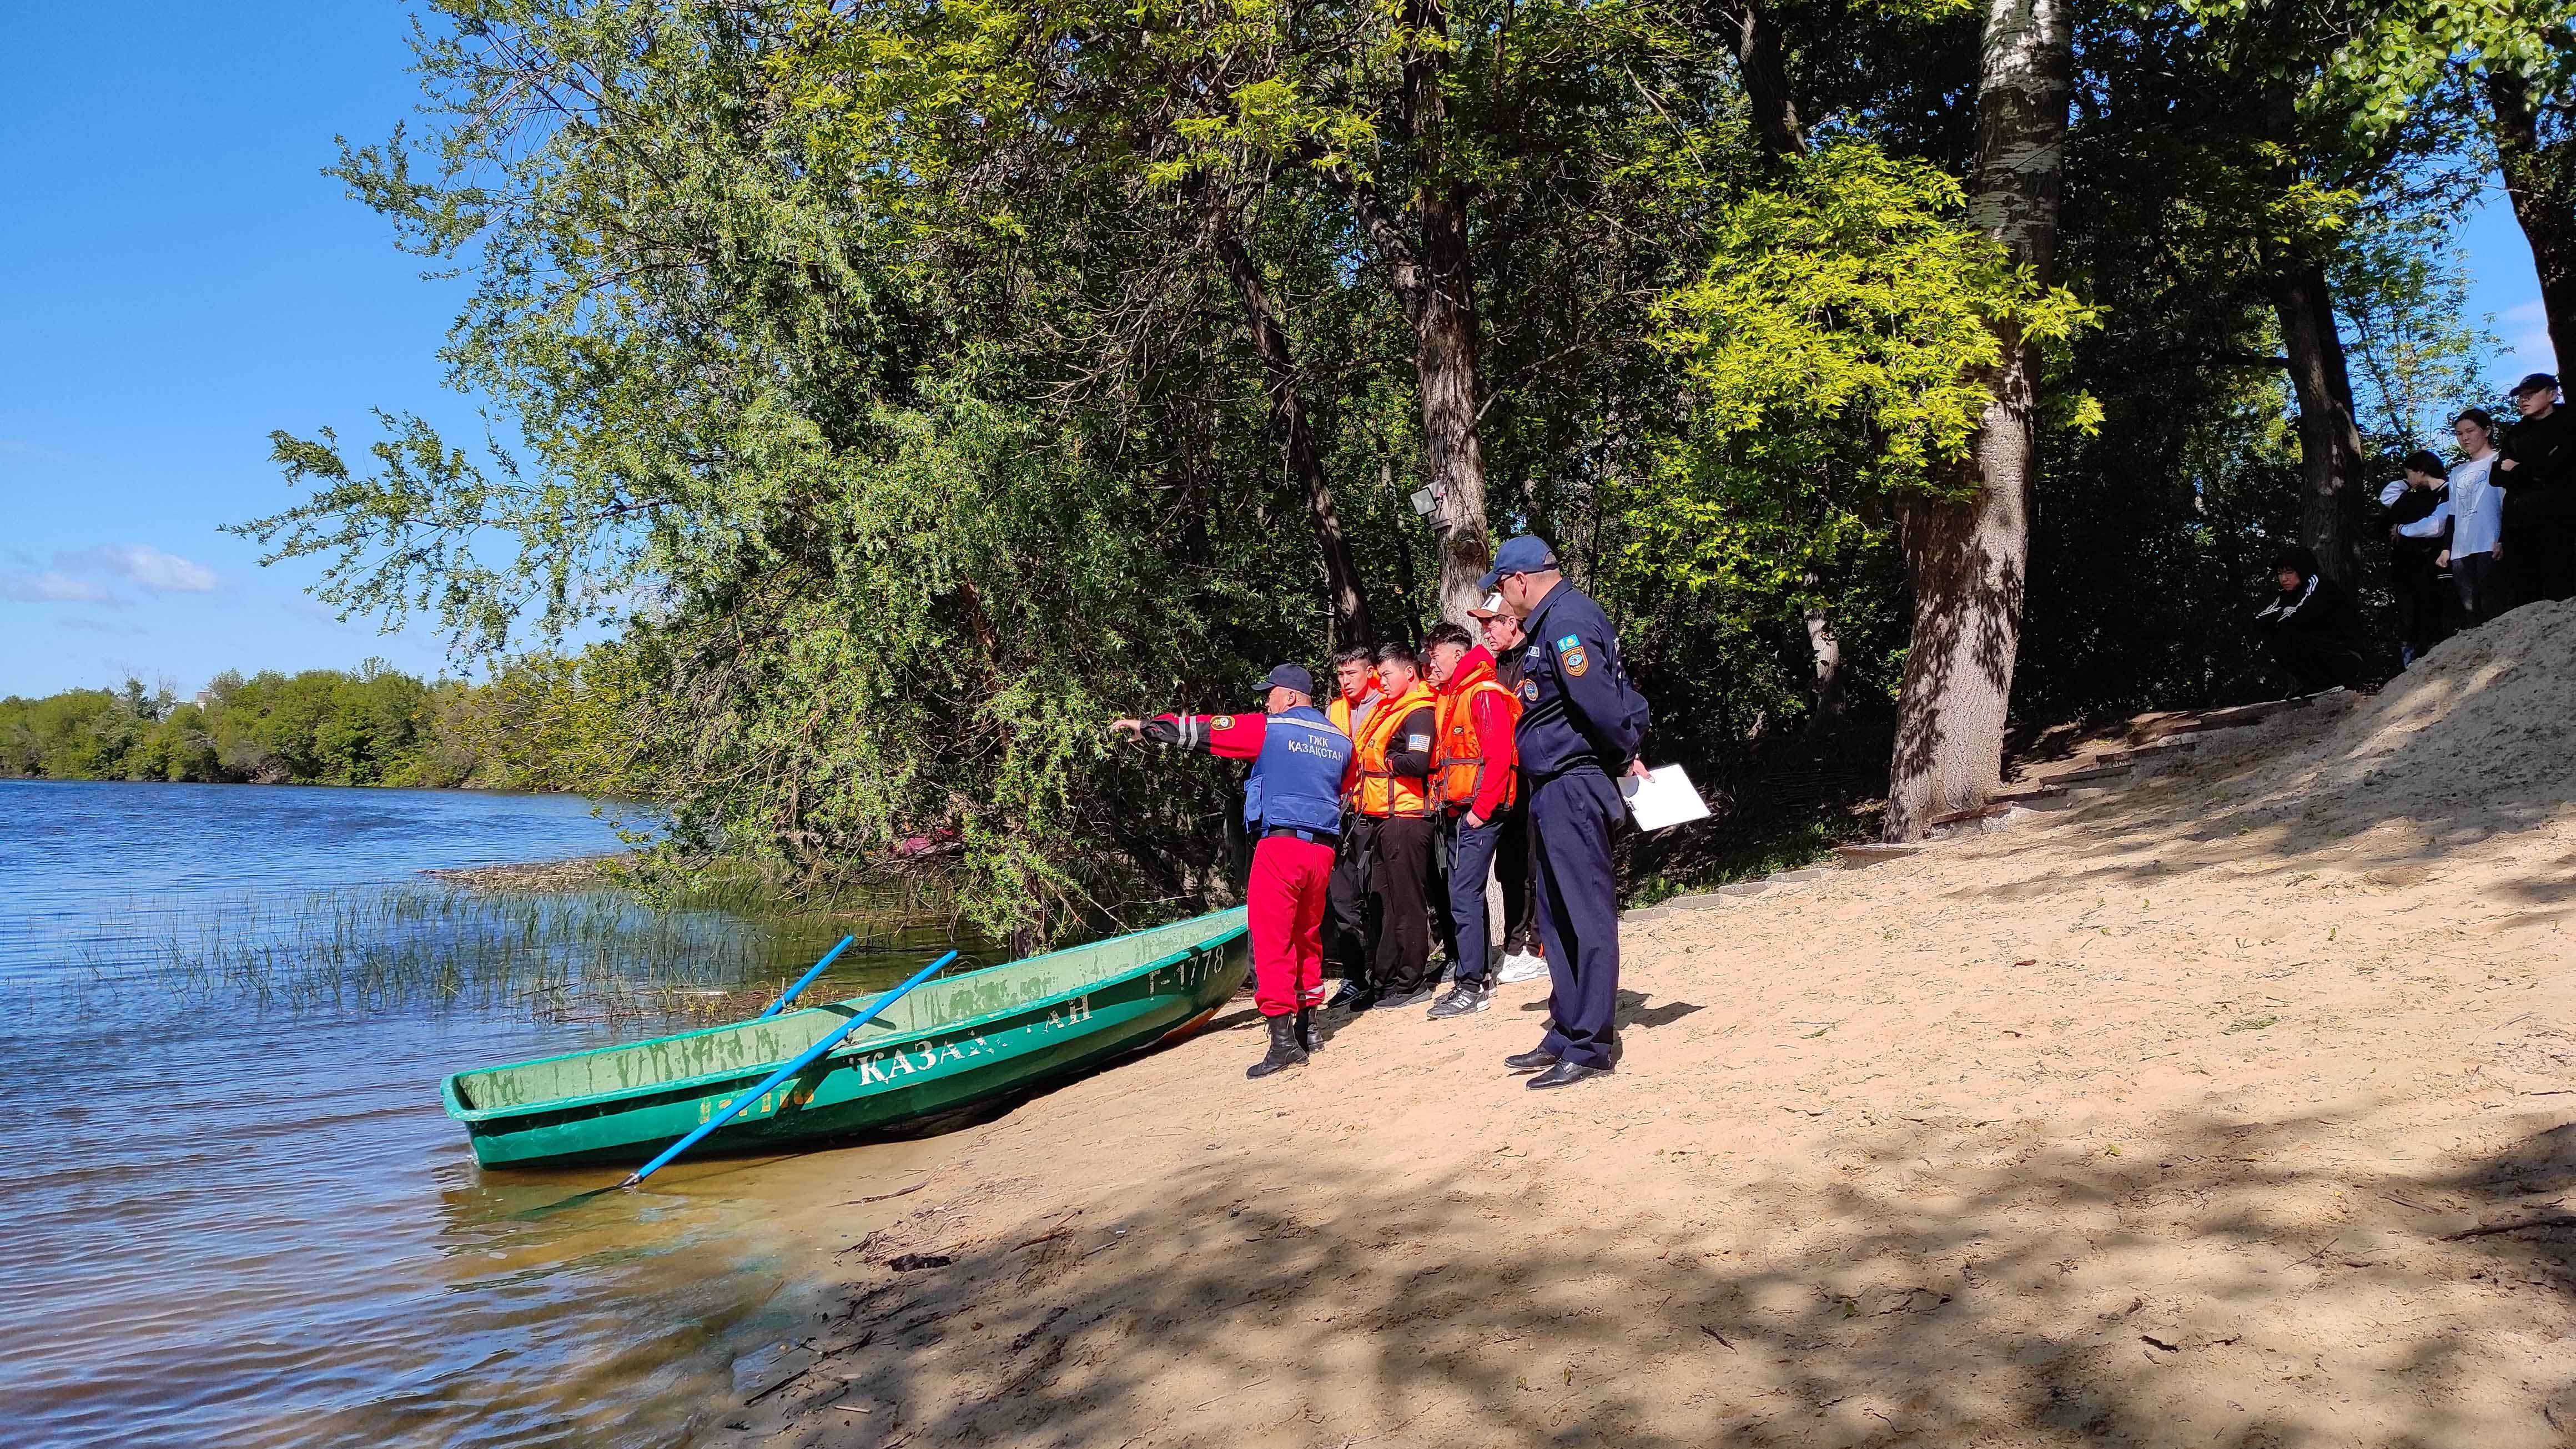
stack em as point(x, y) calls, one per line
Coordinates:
point(1967, 561)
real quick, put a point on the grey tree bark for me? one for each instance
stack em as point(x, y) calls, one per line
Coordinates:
point(2539, 166)
point(2330, 454)
point(1295, 434)
point(1433, 276)
point(1968, 560)
point(1761, 63)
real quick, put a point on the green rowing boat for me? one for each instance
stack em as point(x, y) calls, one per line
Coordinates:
point(949, 1045)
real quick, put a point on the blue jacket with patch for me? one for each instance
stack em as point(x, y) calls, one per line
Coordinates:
point(1578, 709)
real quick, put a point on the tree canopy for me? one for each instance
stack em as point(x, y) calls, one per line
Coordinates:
point(916, 385)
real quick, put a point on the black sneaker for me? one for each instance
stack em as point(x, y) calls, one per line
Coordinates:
point(1415, 997)
point(1352, 997)
point(1461, 1001)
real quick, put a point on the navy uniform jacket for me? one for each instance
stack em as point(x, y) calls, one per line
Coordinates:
point(1577, 706)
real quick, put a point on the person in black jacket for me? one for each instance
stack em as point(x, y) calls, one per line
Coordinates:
point(2419, 534)
point(2309, 625)
point(2536, 468)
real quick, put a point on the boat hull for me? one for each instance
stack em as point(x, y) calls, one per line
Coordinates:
point(881, 1084)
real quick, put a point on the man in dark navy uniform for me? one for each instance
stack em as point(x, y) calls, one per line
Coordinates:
point(1580, 725)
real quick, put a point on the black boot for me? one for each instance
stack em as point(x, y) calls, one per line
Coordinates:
point(1306, 1029)
point(1284, 1050)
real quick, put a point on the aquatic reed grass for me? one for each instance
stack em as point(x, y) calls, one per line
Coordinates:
point(592, 955)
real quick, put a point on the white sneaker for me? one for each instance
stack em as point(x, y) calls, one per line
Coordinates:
point(1521, 966)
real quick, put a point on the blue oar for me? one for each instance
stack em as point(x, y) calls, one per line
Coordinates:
point(807, 979)
point(803, 1060)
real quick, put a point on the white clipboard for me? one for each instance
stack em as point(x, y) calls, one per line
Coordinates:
point(1663, 799)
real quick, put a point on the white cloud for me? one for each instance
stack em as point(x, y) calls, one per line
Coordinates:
point(166, 572)
point(52, 588)
point(2526, 338)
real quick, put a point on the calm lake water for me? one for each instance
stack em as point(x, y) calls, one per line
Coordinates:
point(234, 1212)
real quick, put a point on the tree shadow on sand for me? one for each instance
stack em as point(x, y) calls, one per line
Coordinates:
point(2033, 1298)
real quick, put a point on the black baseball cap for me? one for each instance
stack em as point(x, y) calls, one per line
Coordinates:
point(2536, 382)
point(1291, 676)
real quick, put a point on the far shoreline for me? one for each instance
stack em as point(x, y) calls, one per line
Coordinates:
point(574, 873)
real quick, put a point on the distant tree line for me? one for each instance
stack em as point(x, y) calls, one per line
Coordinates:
point(539, 723)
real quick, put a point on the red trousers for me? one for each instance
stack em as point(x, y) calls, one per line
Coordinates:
point(1286, 907)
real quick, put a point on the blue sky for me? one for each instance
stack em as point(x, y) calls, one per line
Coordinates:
point(179, 279)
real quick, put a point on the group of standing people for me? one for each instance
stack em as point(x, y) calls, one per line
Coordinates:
point(2467, 541)
point(1380, 817)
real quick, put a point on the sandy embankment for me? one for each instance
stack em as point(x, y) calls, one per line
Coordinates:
point(2170, 1117)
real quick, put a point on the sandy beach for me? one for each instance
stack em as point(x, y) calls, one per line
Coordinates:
point(2225, 1106)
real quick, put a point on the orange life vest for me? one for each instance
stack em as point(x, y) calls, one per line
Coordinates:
point(1458, 769)
point(1382, 792)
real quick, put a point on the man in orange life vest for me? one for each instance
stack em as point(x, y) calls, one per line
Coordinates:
point(1346, 933)
point(1471, 782)
point(1390, 777)
point(1293, 806)
point(1513, 853)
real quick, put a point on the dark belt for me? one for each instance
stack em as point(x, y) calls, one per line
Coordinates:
point(1311, 837)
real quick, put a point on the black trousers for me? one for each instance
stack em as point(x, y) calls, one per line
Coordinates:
point(1520, 883)
point(1347, 936)
point(2314, 662)
point(2423, 602)
point(2540, 554)
point(2480, 577)
point(1575, 815)
point(1399, 877)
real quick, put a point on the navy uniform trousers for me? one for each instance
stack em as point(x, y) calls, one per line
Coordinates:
point(1571, 816)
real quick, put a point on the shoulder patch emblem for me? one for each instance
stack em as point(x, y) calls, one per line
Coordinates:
point(1576, 661)
point(1223, 722)
point(1529, 690)
point(1570, 641)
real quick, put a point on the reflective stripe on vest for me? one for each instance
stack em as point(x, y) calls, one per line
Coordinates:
point(1382, 791)
point(1296, 780)
point(1458, 771)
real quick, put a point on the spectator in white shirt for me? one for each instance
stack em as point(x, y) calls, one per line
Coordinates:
point(2477, 517)
point(2419, 526)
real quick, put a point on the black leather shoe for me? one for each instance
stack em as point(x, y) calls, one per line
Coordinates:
point(1565, 1074)
point(1537, 1059)
point(1418, 996)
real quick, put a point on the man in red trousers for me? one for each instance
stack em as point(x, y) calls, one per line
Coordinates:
point(1293, 806)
